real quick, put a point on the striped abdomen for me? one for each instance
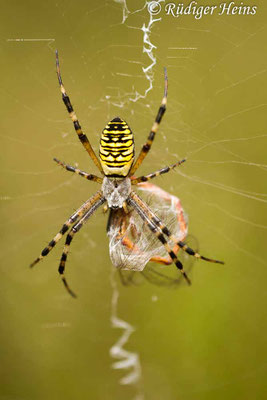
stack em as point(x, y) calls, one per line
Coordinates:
point(116, 148)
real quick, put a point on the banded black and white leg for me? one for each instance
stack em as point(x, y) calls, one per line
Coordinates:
point(67, 224)
point(135, 201)
point(181, 244)
point(89, 177)
point(146, 147)
point(161, 171)
point(167, 232)
point(96, 203)
point(82, 137)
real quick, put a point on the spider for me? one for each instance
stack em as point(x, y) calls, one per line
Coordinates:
point(117, 165)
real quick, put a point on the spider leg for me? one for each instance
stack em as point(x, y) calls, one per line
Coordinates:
point(77, 171)
point(83, 138)
point(167, 232)
point(67, 224)
point(146, 147)
point(164, 170)
point(184, 246)
point(135, 201)
point(96, 202)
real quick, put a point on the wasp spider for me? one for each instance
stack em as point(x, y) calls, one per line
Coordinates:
point(117, 166)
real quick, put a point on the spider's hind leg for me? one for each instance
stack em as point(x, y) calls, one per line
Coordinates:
point(146, 147)
point(82, 137)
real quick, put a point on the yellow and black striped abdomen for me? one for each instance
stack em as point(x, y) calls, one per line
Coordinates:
point(116, 148)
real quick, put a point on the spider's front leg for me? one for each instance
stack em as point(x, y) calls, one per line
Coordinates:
point(167, 232)
point(141, 208)
point(159, 229)
point(184, 246)
point(96, 202)
point(67, 224)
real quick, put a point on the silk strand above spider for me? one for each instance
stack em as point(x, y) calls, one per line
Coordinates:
point(117, 166)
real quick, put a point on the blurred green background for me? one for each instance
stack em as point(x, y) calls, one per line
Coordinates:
point(203, 342)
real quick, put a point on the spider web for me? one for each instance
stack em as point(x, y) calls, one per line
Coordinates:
point(112, 63)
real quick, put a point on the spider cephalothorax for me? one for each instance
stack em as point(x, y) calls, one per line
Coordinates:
point(117, 165)
point(116, 191)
